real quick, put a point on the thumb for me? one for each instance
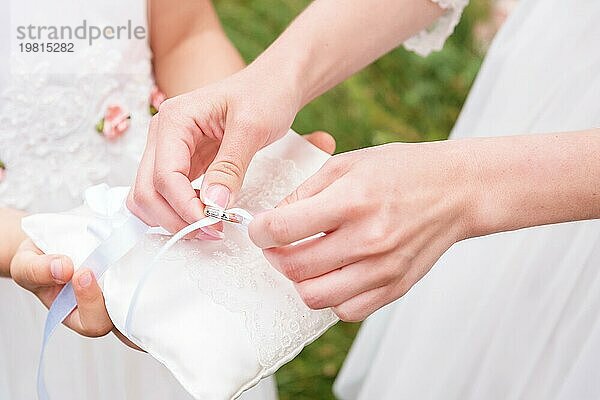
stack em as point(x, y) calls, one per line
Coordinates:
point(225, 175)
point(32, 269)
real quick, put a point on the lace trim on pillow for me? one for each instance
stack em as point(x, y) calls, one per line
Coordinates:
point(434, 37)
point(237, 276)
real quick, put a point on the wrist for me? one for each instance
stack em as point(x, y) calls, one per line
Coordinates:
point(280, 74)
point(499, 191)
point(480, 212)
point(468, 187)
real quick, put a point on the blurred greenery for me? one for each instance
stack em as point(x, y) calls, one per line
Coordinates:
point(401, 97)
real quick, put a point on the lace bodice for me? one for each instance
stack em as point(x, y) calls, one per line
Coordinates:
point(48, 139)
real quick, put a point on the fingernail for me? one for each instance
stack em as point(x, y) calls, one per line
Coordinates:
point(85, 279)
point(212, 233)
point(56, 269)
point(217, 196)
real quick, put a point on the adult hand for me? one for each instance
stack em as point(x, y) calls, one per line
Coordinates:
point(45, 275)
point(402, 207)
point(216, 129)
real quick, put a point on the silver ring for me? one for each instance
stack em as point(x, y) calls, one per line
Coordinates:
point(223, 215)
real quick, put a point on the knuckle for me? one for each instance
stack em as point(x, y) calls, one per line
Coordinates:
point(83, 295)
point(229, 167)
point(277, 227)
point(347, 314)
point(359, 316)
point(160, 180)
point(174, 112)
point(312, 299)
point(291, 198)
point(401, 288)
point(33, 273)
point(168, 106)
point(334, 166)
point(388, 294)
point(356, 204)
point(292, 269)
point(376, 238)
point(389, 273)
point(351, 209)
point(96, 330)
point(139, 198)
point(25, 278)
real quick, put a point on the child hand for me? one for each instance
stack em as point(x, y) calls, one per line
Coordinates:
point(45, 275)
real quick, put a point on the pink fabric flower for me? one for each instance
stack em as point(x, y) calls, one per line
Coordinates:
point(156, 99)
point(115, 122)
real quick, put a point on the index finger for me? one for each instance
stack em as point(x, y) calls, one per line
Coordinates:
point(296, 221)
point(172, 166)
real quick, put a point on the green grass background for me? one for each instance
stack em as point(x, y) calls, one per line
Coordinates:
point(401, 97)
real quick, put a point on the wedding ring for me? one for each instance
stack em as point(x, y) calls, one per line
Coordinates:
point(223, 215)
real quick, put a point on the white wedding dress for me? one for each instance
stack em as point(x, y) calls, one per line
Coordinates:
point(52, 154)
point(513, 315)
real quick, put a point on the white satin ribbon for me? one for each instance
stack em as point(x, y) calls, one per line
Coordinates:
point(247, 217)
point(113, 248)
point(117, 245)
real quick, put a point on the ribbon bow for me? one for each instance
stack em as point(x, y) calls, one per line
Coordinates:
point(119, 231)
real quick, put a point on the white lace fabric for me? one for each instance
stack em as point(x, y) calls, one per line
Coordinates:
point(52, 154)
point(433, 38)
point(48, 139)
point(235, 274)
point(215, 313)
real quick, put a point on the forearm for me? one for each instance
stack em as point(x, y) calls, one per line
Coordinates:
point(533, 180)
point(12, 237)
point(333, 39)
point(199, 60)
point(190, 47)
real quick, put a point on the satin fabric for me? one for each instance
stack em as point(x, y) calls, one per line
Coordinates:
point(215, 313)
point(53, 153)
